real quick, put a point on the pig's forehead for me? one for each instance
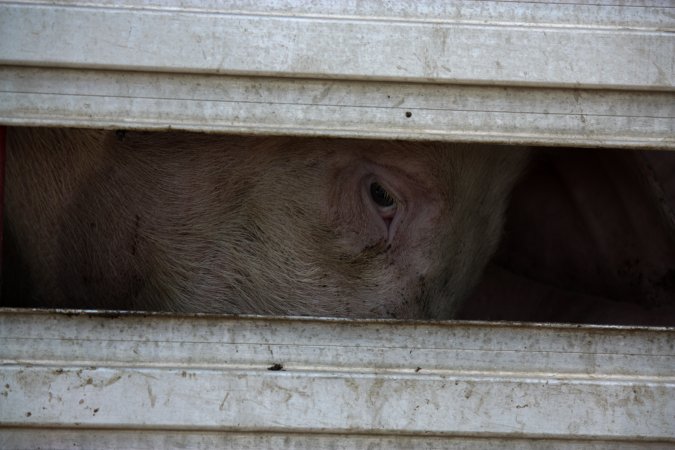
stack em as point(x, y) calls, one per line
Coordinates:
point(423, 164)
point(383, 152)
point(387, 152)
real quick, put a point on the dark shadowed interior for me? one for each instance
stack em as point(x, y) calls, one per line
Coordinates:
point(589, 238)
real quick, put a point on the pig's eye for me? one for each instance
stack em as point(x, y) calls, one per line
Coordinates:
point(381, 196)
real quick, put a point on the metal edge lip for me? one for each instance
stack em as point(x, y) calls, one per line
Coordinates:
point(121, 314)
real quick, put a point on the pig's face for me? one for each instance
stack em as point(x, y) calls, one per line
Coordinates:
point(203, 223)
point(359, 229)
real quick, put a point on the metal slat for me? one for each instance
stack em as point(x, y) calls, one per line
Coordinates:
point(335, 47)
point(343, 69)
point(62, 439)
point(634, 14)
point(361, 380)
point(31, 96)
point(536, 72)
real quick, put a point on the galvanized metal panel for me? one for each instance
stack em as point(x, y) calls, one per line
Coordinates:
point(355, 382)
point(63, 439)
point(31, 96)
point(333, 46)
point(640, 14)
point(414, 70)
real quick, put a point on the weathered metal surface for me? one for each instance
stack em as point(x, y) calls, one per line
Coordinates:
point(556, 73)
point(328, 381)
point(443, 49)
point(562, 73)
point(64, 439)
point(31, 96)
point(638, 14)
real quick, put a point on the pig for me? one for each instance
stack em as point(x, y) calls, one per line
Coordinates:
point(190, 222)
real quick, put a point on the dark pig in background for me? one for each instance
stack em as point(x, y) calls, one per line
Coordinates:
point(189, 222)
